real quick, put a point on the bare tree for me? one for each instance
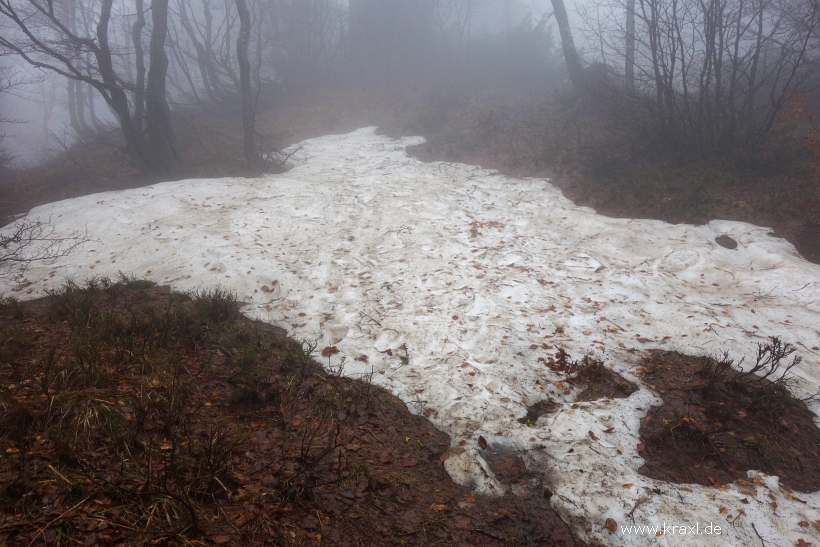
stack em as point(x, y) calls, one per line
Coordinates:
point(40, 34)
point(629, 61)
point(242, 44)
point(705, 77)
point(573, 60)
point(159, 130)
point(139, 65)
point(9, 81)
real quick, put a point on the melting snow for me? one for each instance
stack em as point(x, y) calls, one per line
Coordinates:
point(415, 269)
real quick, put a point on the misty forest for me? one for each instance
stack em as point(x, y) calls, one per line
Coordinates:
point(409, 272)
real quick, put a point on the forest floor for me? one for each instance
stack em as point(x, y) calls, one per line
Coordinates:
point(132, 415)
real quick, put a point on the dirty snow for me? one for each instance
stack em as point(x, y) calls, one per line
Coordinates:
point(446, 281)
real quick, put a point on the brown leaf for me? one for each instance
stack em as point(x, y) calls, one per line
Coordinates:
point(640, 447)
point(482, 442)
point(409, 462)
point(444, 457)
point(592, 436)
point(329, 350)
point(801, 543)
point(792, 497)
point(611, 525)
point(461, 522)
point(803, 524)
point(220, 539)
point(469, 497)
point(439, 507)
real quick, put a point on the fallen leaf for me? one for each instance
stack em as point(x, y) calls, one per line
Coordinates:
point(803, 524)
point(611, 525)
point(220, 539)
point(469, 497)
point(640, 447)
point(329, 350)
point(592, 436)
point(461, 522)
point(439, 507)
point(627, 485)
point(482, 442)
point(409, 462)
point(791, 497)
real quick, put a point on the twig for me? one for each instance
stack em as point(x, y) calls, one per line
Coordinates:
point(758, 535)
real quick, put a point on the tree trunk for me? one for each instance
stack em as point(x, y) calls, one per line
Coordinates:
point(114, 94)
point(139, 62)
point(242, 43)
point(72, 107)
point(159, 132)
point(79, 105)
point(201, 54)
point(573, 60)
point(71, 14)
point(92, 111)
point(629, 67)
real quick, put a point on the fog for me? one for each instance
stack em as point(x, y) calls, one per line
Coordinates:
point(540, 226)
point(39, 103)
